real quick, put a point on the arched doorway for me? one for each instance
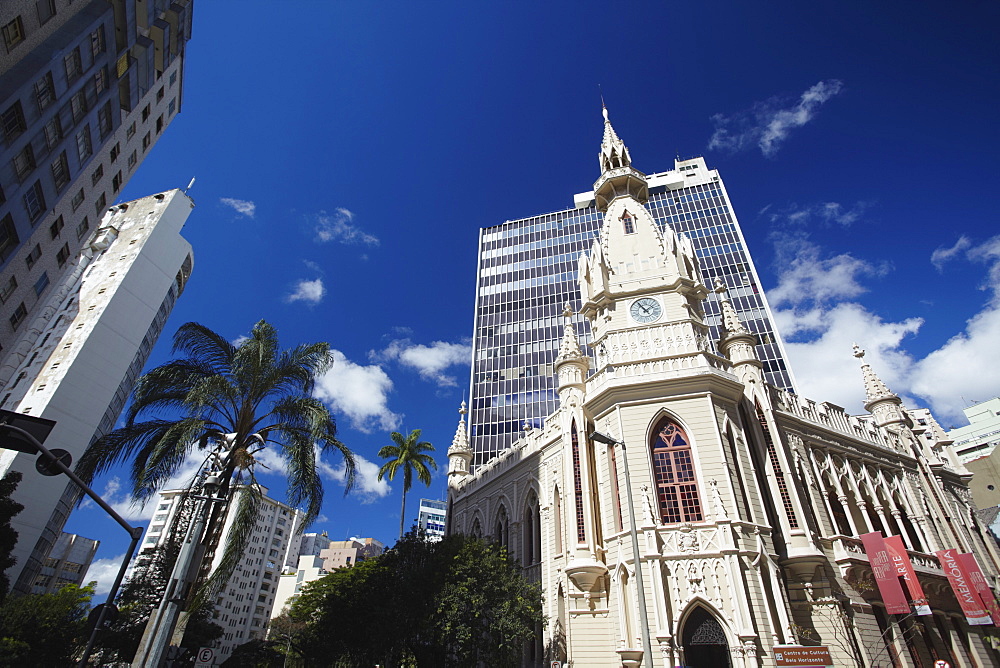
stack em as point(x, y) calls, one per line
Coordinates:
point(704, 641)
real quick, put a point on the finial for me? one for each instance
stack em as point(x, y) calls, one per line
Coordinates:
point(858, 352)
point(462, 410)
point(720, 287)
point(567, 311)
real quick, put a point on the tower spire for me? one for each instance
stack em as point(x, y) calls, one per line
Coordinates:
point(737, 342)
point(618, 176)
point(459, 454)
point(875, 389)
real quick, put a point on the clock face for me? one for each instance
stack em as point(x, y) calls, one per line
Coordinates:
point(645, 310)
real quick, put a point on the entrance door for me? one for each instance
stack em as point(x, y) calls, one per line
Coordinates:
point(704, 641)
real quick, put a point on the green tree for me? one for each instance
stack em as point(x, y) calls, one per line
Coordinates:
point(242, 397)
point(457, 602)
point(409, 454)
point(8, 537)
point(44, 629)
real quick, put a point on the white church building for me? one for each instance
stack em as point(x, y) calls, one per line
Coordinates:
point(679, 511)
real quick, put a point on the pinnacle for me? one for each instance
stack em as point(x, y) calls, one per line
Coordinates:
point(730, 319)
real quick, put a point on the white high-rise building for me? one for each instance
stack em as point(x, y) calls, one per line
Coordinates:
point(78, 357)
point(243, 607)
point(67, 563)
point(432, 518)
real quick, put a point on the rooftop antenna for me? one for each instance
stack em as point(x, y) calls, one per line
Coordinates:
point(189, 185)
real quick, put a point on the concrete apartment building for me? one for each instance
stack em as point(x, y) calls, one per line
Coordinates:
point(67, 563)
point(81, 351)
point(244, 607)
point(86, 89)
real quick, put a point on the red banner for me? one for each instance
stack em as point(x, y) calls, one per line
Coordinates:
point(904, 568)
point(884, 571)
point(971, 566)
point(965, 592)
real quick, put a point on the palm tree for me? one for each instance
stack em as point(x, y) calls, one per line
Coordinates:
point(230, 402)
point(407, 454)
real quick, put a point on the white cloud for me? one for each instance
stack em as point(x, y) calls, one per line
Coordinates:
point(366, 482)
point(310, 292)
point(819, 334)
point(767, 124)
point(359, 392)
point(243, 207)
point(104, 572)
point(808, 277)
point(339, 226)
point(941, 256)
point(429, 361)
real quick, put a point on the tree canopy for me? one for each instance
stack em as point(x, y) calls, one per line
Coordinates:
point(409, 455)
point(8, 536)
point(44, 629)
point(457, 602)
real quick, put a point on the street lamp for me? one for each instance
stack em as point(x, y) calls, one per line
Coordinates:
point(25, 434)
point(643, 619)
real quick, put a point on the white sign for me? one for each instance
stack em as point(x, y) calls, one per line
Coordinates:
point(205, 658)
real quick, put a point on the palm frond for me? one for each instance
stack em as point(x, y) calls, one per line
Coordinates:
point(201, 343)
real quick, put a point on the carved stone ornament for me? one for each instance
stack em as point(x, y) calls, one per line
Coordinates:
point(648, 513)
point(688, 542)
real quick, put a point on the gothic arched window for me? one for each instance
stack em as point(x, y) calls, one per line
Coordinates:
point(673, 468)
point(502, 532)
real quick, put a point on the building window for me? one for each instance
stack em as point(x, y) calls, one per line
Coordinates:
point(97, 41)
point(77, 200)
point(145, 113)
point(581, 534)
point(8, 239)
point(42, 283)
point(53, 132)
point(115, 152)
point(13, 121)
point(159, 124)
point(173, 78)
point(7, 290)
point(20, 313)
point(82, 228)
point(78, 105)
point(60, 171)
point(146, 141)
point(116, 182)
point(132, 159)
point(172, 107)
point(13, 33)
point(74, 67)
point(63, 254)
point(673, 466)
point(46, 10)
point(104, 119)
point(130, 131)
point(24, 162)
point(159, 94)
point(83, 147)
point(100, 204)
point(34, 201)
point(33, 256)
point(97, 175)
point(628, 222)
point(101, 80)
point(56, 228)
point(45, 93)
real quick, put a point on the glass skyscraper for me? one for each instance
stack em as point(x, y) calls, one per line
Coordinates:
point(528, 272)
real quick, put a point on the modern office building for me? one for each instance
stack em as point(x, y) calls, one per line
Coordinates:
point(79, 354)
point(982, 435)
point(528, 273)
point(86, 89)
point(243, 608)
point(67, 563)
point(676, 509)
point(432, 518)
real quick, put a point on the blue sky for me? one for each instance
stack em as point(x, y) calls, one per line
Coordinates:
point(346, 155)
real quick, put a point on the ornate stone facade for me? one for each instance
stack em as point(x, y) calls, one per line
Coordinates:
point(748, 501)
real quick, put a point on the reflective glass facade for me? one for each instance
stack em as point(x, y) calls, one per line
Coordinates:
point(528, 272)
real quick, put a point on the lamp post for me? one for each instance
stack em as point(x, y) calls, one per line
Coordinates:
point(643, 618)
point(55, 462)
